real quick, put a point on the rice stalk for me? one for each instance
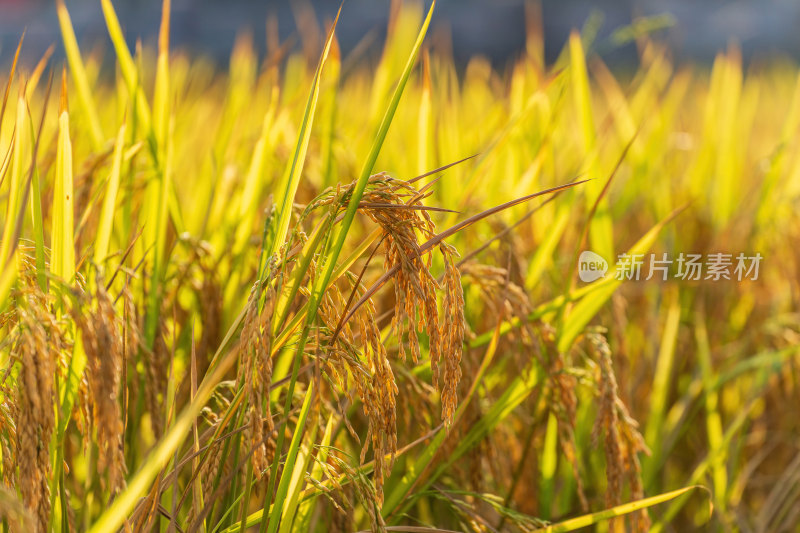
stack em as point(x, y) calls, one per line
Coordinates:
point(37, 349)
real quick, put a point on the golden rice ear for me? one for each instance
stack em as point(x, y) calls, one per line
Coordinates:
point(37, 351)
point(102, 333)
point(623, 442)
point(255, 373)
point(453, 329)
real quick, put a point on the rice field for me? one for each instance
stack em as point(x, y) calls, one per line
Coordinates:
point(316, 292)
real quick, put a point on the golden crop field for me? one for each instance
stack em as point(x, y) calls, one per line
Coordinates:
point(309, 292)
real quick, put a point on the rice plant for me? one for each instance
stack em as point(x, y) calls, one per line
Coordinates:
point(323, 293)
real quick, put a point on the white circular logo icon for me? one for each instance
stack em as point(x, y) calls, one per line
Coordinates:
point(591, 266)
